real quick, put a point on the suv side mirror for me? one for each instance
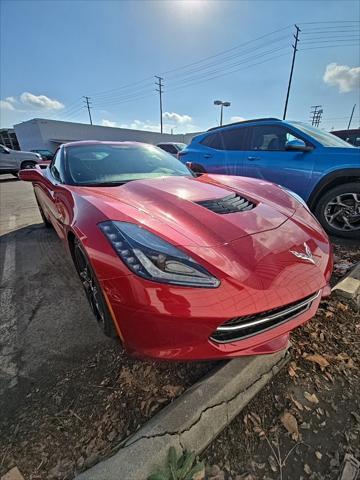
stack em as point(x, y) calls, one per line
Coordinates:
point(297, 145)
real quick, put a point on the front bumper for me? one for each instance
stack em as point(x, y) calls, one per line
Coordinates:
point(169, 322)
point(258, 273)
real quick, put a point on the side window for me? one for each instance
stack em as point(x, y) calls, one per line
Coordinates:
point(55, 166)
point(270, 137)
point(235, 139)
point(214, 140)
point(169, 148)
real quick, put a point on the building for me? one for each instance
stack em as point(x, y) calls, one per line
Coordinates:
point(39, 134)
point(8, 138)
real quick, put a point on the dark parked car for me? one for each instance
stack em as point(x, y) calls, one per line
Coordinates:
point(318, 166)
point(45, 154)
point(172, 147)
point(351, 136)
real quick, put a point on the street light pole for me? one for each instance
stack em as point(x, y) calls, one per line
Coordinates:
point(222, 105)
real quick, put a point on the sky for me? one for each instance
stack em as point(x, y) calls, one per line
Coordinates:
point(54, 52)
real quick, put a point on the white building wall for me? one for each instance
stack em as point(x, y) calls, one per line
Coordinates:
point(48, 134)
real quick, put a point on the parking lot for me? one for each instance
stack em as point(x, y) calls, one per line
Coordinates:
point(67, 392)
point(39, 284)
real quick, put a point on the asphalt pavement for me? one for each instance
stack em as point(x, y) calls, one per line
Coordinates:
point(46, 324)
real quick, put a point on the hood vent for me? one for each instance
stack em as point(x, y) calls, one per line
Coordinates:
point(230, 204)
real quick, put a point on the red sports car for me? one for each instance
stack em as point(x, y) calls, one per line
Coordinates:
point(179, 266)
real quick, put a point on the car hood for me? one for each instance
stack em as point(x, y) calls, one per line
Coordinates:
point(169, 206)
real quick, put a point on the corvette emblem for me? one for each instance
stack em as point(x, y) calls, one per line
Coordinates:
point(307, 256)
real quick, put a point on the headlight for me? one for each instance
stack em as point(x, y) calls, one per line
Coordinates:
point(296, 196)
point(150, 257)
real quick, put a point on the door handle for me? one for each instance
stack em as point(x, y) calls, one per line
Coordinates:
point(207, 155)
point(252, 159)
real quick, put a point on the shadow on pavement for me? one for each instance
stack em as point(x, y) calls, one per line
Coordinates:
point(46, 323)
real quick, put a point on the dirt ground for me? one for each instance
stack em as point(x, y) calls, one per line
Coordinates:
point(84, 413)
point(302, 424)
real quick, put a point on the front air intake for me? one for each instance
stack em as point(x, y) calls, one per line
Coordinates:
point(230, 204)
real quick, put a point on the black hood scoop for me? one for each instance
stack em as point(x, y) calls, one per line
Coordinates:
point(230, 204)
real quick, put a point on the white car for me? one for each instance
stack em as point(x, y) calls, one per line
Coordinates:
point(172, 147)
point(11, 161)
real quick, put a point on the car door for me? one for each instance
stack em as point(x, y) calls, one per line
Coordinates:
point(225, 152)
point(267, 158)
point(48, 193)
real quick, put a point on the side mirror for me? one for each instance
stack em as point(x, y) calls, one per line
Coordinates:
point(30, 175)
point(297, 146)
point(196, 168)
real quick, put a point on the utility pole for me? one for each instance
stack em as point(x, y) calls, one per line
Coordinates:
point(351, 116)
point(88, 107)
point(160, 84)
point(316, 115)
point(296, 36)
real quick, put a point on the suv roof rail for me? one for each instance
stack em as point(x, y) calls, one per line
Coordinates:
point(244, 121)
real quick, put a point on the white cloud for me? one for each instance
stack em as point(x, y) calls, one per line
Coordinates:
point(108, 123)
point(236, 118)
point(177, 118)
point(41, 101)
point(342, 76)
point(140, 125)
point(6, 105)
point(10, 99)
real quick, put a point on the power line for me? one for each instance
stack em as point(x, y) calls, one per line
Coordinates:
point(331, 46)
point(296, 36)
point(225, 51)
point(160, 90)
point(88, 107)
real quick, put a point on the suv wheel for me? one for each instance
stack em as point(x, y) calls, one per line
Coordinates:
point(338, 210)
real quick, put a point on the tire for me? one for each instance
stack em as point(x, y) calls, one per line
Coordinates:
point(338, 210)
point(44, 219)
point(93, 291)
point(27, 164)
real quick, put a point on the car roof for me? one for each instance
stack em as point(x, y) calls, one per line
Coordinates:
point(81, 143)
point(273, 119)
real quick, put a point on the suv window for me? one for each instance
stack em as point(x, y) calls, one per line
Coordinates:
point(271, 137)
point(232, 139)
point(3, 149)
point(235, 139)
point(214, 140)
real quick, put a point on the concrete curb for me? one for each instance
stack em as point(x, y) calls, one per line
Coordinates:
point(192, 421)
point(349, 287)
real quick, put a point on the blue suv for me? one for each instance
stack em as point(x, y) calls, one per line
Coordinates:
point(318, 166)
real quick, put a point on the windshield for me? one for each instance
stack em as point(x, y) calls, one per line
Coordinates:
point(181, 146)
point(324, 138)
point(110, 164)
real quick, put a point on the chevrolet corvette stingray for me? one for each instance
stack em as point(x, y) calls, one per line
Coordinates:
point(182, 266)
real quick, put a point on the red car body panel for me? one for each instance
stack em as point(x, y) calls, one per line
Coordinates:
point(249, 252)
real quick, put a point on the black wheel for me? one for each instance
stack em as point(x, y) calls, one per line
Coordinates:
point(338, 211)
point(44, 219)
point(27, 165)
point(93, 291)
